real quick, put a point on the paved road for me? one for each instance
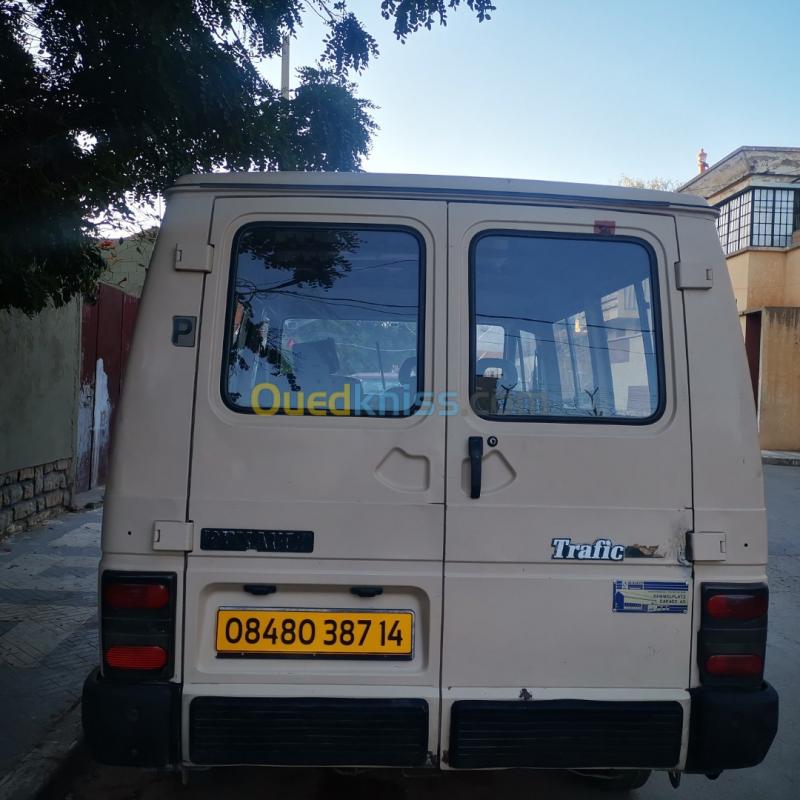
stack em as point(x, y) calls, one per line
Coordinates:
point(778, 778)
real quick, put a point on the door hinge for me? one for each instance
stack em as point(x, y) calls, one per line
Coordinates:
point(693, 275)
point(194, 256)
point(173, 535)
point(706, 546)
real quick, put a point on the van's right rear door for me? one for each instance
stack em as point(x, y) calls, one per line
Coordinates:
point(568, 485)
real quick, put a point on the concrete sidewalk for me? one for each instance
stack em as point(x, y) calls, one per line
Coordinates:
point(48, 630)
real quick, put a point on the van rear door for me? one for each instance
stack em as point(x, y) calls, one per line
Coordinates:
point(305, 512)
point(569, 467)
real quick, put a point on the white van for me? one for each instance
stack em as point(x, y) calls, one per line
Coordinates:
point(446, 473)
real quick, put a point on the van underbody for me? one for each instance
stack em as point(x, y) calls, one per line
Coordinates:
point(437, 473)
point(140, 725)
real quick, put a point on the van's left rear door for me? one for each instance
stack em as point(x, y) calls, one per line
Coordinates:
point(295, 514)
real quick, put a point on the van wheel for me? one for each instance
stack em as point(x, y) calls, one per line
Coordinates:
point(616, 780)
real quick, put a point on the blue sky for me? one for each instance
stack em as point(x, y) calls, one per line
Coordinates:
point(579, 90)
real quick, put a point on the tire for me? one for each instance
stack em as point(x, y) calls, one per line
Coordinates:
point(617, 780)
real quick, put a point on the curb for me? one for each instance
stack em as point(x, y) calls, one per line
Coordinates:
point(45, 762)
point(86, 501)
point(783, 461)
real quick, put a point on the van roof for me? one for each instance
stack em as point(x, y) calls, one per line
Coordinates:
point(446, 187)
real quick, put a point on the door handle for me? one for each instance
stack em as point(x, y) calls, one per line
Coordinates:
point(475, 450)
point(366, 591)
point(260, 588)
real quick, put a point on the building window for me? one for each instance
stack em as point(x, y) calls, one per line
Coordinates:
point(759, 218)
point(734, 222)
point(796, 223)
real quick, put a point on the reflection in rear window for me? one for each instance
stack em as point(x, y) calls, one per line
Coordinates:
point(324, 320)
point(564, 328)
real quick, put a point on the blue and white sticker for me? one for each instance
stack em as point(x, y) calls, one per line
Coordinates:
point(650, 597)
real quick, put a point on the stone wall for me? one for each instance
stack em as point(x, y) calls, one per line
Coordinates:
point(32, 495)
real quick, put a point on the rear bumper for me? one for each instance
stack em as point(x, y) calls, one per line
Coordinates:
point(315, 731)
point(730, 729)
point(131, 724)
point(139, 725)
point(565, 734)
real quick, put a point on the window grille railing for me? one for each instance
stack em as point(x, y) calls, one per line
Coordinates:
point(759, 218)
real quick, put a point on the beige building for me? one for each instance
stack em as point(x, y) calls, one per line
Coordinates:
point(757, 191)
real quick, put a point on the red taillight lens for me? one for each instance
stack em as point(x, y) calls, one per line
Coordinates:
point(138, 624)
point(732, 639)
point(737, 606)
point(735, 666)
point(136, 595)
point(136, 657)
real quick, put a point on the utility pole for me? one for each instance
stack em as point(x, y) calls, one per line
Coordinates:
point(285, 68)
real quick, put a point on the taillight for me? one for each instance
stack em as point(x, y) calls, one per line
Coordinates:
point(138, 624)
point(739, 666)
point(136, 657)
point(136, 595)
point(748, 606)
point(733, 634)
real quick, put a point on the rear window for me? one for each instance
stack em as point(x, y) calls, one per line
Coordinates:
point(564, 328)
point(324, 321)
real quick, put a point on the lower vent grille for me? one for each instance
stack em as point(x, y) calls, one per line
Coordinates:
point(565, 734)
point(308, 731)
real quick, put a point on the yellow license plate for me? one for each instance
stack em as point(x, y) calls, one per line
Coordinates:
point(315, 632)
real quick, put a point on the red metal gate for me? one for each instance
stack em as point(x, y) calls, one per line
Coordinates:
point(106, 331)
